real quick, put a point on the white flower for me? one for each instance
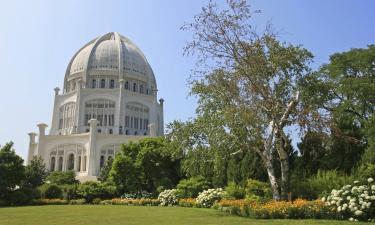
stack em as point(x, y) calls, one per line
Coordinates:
point(358, 213)
point(323, 199)
point(351, 219)
point(370, 180)
point(356, 182)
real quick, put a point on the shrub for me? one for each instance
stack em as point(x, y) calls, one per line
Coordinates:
point(96, 201)
point(355, 202)
point(190, 188)
point(320, 184)
point(233, 191)
point(168, 197)
point(50, 202)
point(69, 191)
point(50, 191)
point(258, 190)
point(143, 201)
point(136, 195)
point(18, 197)
point(91, 190)
point(208, 197)
point(62, 177)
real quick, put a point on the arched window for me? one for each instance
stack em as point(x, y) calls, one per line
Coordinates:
point(84, 163)
point(93, 85)
point(134, 87)
point(126, 85)
point(126, 132)
point(112, 84)
point(102, 83)
point(101, 161)
point(99, 130)
point(145, 133)
point(141, 88)
point(135, 133)
point(66, 116)
point(60, 163)
point(53, 162)
point(71, 162)
point(110, 131)
point(101, 109)
point(136, 117)
point(120, 130)
point(79, 163)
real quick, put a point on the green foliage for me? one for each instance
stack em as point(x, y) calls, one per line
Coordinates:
point(364, 171)
point(35, 172)
point(69, 191)
point(62, 177)
point(125, 175)
point(12, 171)
point(136, 195)
point(190, 188)
point(149, 164)
point(258, 190)
point(234, 191)
point(23, 196)
point(91, 190)
point(50, 191)
point(104, 172)
point(319, 184)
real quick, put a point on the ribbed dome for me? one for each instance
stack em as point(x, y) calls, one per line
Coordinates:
point(110, 54)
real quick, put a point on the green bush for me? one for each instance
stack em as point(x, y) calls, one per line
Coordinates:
point(91, 190)
point(257, 190)
point(61, 178)
point(190, 188)
point(320, 184)
point(96, 201)
point(69, 191)
point(364, 171)
point(50, 191)
point(18, 197)
point(233, 191)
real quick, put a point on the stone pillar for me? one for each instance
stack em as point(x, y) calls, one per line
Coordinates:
point(42, 129)
point(119, 110)
point(77, 127)
point(152, 127)
point(91, 153)
point(161, 101)
point(32, 146)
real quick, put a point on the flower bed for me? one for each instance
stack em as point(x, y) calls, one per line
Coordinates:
point(298, 209)
point(187, 202)
point(354, 202)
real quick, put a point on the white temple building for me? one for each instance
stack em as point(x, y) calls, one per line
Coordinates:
point(109, 98)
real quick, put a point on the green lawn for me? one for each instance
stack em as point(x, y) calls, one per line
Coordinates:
point(130, 215)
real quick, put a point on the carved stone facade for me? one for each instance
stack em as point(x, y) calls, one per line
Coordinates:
point(109, 98)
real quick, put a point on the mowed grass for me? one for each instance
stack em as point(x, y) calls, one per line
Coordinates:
point(131, 215)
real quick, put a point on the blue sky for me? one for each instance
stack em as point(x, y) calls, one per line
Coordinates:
point(38, 38)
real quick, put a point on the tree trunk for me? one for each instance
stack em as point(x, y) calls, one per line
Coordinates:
point(272, 179)
point(284, 163)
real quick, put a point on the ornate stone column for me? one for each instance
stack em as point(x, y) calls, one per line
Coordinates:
point(91, 153)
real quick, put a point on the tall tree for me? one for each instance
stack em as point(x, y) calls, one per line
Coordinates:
point(35, 172)
point(12, 171)
point(253, 77)
point(344, 90)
